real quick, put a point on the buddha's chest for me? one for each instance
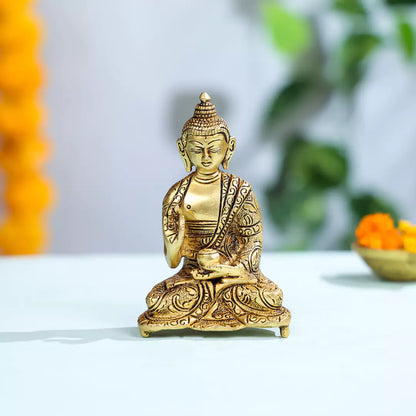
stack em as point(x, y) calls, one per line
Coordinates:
point(202, 201)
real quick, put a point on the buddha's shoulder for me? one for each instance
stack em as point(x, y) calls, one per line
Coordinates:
point(241, 183)
point(175, 188)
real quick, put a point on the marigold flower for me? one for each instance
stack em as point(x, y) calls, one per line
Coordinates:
point(20, 117)
point(19, 157)
point(20, 72)
point(378, 231)
point(392, 240)
point(28, 194)
point(406, 227)
point(14, 6)
point(22, 235)
point(19, 31)
point(409, 243)
point(409, 235)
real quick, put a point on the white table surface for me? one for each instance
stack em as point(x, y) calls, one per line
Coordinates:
point(69, 343)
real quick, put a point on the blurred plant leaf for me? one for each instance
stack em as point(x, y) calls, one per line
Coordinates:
point(295, 103)
point(406, 37)
point(286, 100)
point(353, 7)
point(400, 2)
point(303, 209)
point(290, 33)
point(318, 166)
point(368, 203)
point(309, 169)
point(297, 199)
point(315, 165)
point(356, 48)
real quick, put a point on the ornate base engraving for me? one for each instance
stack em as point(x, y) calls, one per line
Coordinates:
point(214, 306)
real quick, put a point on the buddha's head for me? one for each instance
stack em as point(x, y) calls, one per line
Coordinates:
point(206, 142)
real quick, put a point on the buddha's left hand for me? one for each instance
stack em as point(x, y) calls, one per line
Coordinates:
point(218, 270)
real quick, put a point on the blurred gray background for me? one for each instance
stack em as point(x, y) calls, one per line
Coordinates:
point(125, 76)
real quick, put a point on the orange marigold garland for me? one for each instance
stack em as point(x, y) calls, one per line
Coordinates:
point(27, 193)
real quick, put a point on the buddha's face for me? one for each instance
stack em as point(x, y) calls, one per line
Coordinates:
point(206, 152)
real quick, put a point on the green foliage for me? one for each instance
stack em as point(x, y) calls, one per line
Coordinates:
point(297, 199)
point(406, 38)
point(353, 7)
point(286, 100)
point(317, 166)
point(355, 49)
point(297, 100)
point(309, 169)
point(368, 203)
point(400, 2)
point(299, 209)
point(290, 33)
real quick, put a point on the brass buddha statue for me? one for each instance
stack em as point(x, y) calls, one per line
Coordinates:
point(212, 220)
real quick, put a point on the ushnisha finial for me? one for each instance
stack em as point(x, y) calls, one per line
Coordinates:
point(205, 120)
point(204, 97)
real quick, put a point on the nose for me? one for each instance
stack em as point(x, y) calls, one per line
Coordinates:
point(206, 154)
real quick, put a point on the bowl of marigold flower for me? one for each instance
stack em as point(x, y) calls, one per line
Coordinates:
point(389, 251)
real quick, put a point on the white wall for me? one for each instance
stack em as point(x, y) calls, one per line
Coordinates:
point(124, 77)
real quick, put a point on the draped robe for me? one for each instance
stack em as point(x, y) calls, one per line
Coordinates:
point(183, 302)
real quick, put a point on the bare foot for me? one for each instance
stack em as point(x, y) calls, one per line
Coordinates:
point(177, 282)
point(237, 280)
point(201, 274)
point(230, 281)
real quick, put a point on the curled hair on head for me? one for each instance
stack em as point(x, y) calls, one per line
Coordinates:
point(205, 120)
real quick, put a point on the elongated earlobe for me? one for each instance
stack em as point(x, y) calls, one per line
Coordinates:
point(229, 153)
point(181, 144)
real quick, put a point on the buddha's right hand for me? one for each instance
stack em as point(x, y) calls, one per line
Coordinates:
point(174, 238)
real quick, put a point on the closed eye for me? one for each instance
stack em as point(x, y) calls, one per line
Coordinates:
point(196, 150)
point(215, 149)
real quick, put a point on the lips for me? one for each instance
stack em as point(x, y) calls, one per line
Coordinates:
point(206, 164)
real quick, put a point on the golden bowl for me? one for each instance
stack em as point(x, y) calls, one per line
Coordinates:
point(398, 265)
point(208, 257)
